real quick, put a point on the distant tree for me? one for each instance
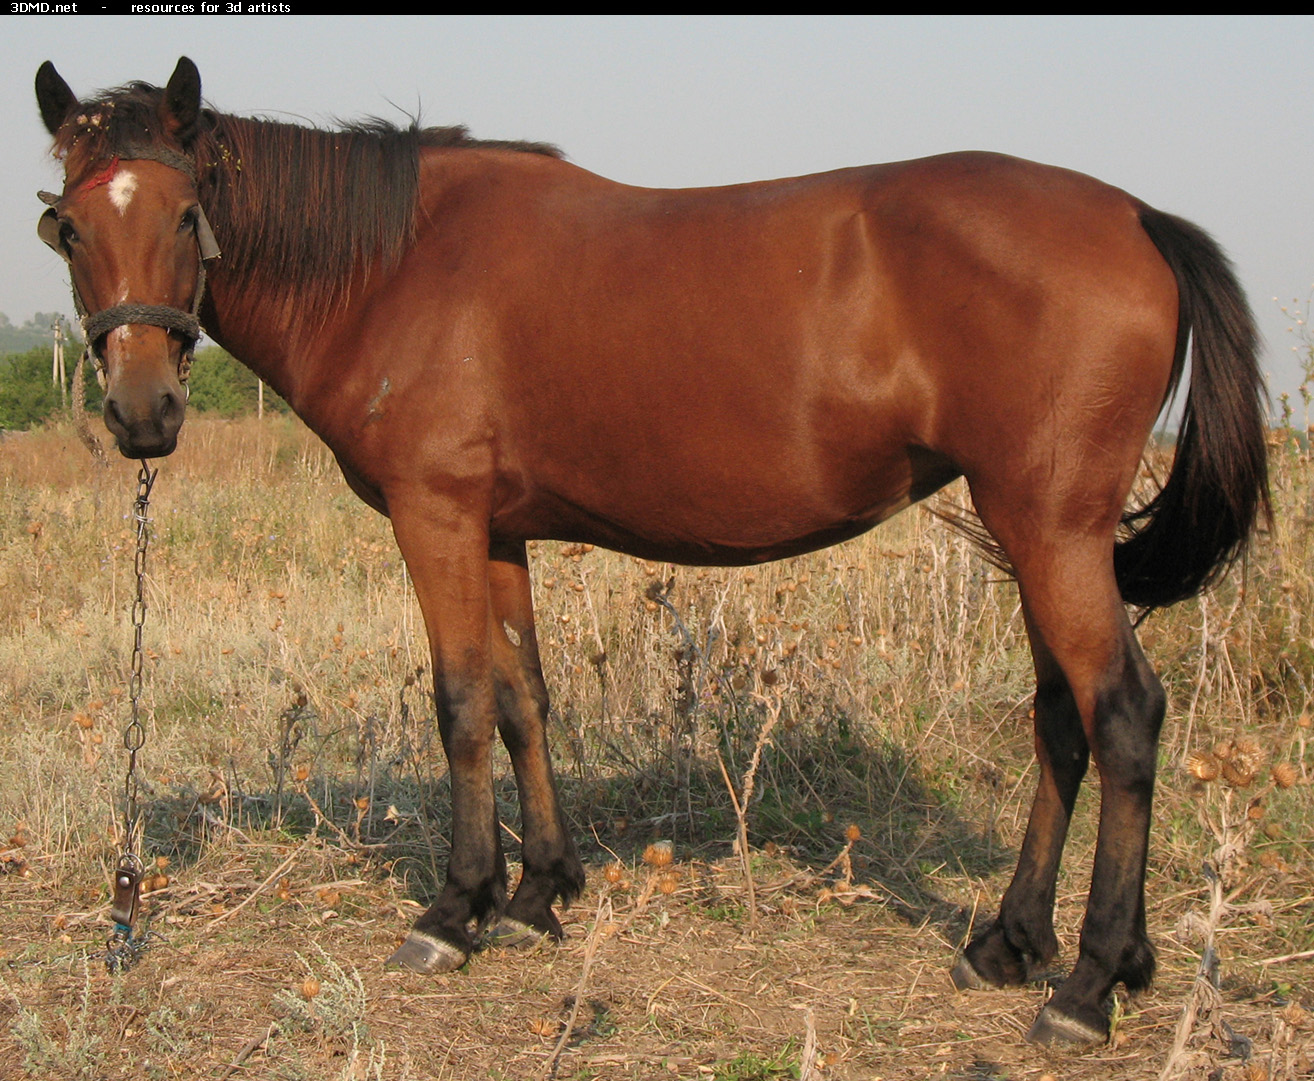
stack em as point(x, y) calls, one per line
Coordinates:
point(27, 396)
point(36, 331)
point(219, 384)
point(1300, 329)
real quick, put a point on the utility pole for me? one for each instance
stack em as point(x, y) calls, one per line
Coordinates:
point(57, 373)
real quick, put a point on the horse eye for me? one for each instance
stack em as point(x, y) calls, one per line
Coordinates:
point(68, 236)
point(188, 220)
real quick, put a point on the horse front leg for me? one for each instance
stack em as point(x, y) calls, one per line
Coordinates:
point(447, 557)
point(552, 869)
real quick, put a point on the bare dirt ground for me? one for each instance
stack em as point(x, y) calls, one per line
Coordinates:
point(258, 979)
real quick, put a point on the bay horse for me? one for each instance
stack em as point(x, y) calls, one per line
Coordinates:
point(500, 346)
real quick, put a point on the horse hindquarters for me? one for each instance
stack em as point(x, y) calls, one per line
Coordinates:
point(1096, 692)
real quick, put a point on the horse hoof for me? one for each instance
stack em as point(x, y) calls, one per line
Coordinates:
point(426, 954)
point(512, 934)
point(966, 977)
point(1052, 1027)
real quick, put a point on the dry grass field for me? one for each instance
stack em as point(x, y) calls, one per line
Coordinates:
point(869, 705)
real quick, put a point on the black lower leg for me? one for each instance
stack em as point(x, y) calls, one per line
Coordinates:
point(1022, 936)
point(551, 867)
point(475, 890)
point(1115, 946)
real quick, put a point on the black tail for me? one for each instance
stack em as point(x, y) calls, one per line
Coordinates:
point(1185, 539)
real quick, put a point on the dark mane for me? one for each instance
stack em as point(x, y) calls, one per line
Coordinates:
point(298, 210)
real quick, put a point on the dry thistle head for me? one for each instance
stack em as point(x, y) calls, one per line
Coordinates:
point(1240, 761)
point(1238, 773)
point(614, 872)
point(852, 833)
point(1283, 774)
point(1273, 862)
point(309, 988)
point(1250, 753)
point(659, 854)
point(1203, 766)
point(1295, 1015)
point(669, 882)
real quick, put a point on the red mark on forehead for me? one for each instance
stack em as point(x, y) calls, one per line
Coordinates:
point(103, 177)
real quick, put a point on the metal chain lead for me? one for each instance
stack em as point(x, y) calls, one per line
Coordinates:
point(134, 736)
point(124, 947)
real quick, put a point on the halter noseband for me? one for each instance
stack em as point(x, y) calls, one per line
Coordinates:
point(98, 324)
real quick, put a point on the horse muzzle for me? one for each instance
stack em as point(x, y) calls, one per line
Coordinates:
point(145, 399)
point(146, 429)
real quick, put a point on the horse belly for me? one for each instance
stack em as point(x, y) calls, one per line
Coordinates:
point(730, 509)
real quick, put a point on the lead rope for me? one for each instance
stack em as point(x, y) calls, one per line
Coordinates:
point(124, 944)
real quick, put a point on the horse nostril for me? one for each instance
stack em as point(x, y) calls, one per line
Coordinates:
point(172, 407)
point(113, 417)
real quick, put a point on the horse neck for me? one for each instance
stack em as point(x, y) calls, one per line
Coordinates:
point(302, 215)
point(287, 340)
point(258, 329)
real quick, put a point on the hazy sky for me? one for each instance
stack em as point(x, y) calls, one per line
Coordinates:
point(1203, 117)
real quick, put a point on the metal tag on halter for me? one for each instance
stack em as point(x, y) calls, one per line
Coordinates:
point(127, 891)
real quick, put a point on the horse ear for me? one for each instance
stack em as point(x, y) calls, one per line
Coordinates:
point(54, 98)
point(181, 108)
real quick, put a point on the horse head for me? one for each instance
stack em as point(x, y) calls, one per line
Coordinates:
point(130, 225)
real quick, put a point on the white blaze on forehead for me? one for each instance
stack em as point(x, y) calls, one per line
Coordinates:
point(121, 189)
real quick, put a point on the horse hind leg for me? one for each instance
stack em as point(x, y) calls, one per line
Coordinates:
point(1090, 669)
point(1021, 937)
point(1122, 722)
point(551, 867)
